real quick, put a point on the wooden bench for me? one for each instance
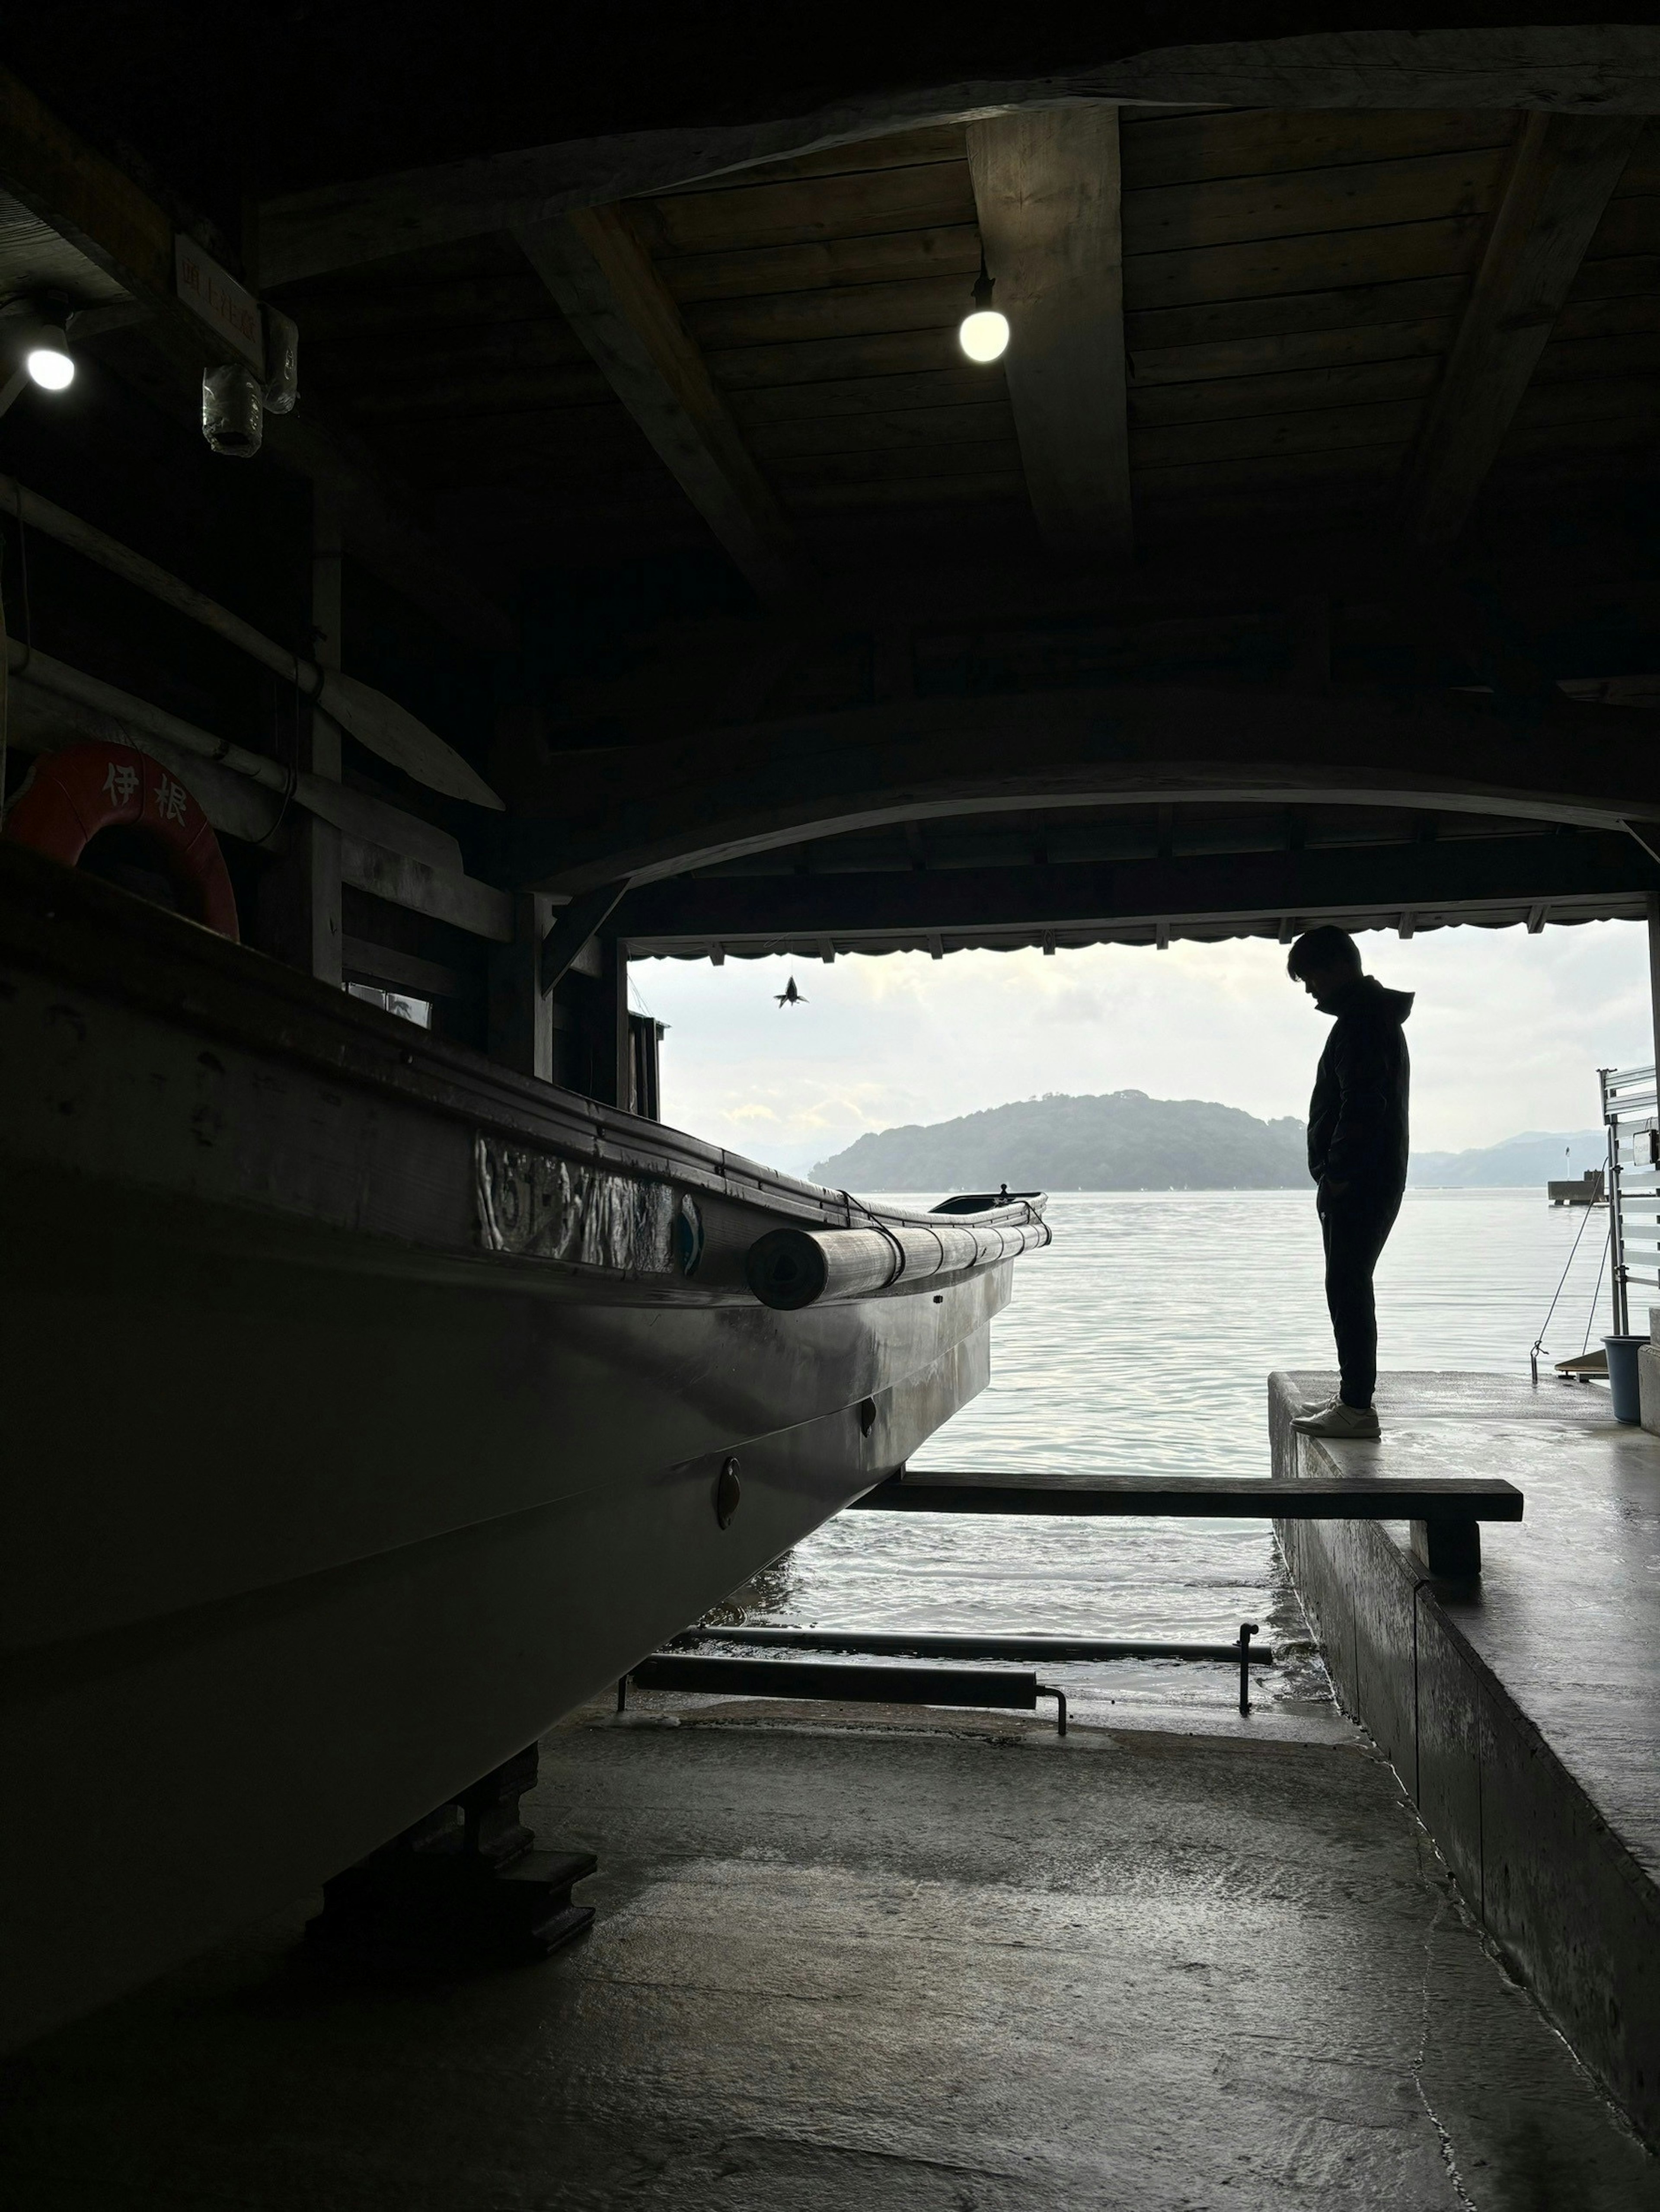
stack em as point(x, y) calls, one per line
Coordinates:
point(1444, 1513)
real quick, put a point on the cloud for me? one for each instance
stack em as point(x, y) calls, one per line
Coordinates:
point(1507, 1034)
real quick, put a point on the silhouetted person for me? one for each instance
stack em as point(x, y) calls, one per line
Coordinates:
point(1357, 1156)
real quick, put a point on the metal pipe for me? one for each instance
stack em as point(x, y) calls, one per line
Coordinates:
point(900, 1645)
point(1616, 1223)
point(1247, 1630)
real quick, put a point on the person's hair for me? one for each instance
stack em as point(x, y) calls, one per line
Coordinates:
point(1318, 949)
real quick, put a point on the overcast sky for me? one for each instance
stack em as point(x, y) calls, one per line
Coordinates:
point(1507, 1035)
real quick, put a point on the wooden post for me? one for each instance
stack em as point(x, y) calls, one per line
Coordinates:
point(521, 1012)
point(327, 943)
point(646, 1038)
point(1046, 189)
point(614, 1053)
point(302, 922)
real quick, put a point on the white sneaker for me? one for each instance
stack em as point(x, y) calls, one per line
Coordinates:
point(1340, 1420)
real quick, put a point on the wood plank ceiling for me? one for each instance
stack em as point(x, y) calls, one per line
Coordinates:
point(1293, 287)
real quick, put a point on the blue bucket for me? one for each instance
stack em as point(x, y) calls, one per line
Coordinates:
point(1622, 1377)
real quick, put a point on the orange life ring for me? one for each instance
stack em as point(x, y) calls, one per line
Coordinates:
point(74, 794)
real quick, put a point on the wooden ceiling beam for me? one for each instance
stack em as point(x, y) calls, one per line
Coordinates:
point(724, 792)
point(108, 218)
point(599, 270)
point(122, 232)
point(845, 907)
point(1046, 187)
point(1593, 68)
point(1562, 176)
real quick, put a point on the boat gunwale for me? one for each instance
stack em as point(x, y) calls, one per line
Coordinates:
point(123, 948)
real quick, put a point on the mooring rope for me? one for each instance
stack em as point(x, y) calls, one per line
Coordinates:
point(1597, 1292)
point(1539, 1340)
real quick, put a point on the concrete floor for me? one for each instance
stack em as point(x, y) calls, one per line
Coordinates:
point(950, 1963)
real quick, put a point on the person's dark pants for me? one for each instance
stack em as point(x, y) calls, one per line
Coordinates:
point(1355, 1227)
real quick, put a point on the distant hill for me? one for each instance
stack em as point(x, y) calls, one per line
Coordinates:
point(1124, 1140)
point(1532, 1159)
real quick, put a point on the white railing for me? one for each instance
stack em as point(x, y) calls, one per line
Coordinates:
point(1631, 1115)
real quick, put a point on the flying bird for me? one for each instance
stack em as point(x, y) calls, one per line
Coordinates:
point(789, 996)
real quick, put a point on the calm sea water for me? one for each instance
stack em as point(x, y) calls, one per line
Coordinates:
point(1140, 1342)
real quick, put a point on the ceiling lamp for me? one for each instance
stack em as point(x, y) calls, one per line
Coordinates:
point(985, 332)
point(46, 353)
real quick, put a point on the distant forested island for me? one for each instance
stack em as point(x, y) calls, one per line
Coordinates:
point(1124, 1140)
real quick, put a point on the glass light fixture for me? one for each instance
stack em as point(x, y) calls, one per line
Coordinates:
point(51, 366)
point(45, 350)
point(985, 331)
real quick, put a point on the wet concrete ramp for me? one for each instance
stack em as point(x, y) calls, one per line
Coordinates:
point(912, 1961)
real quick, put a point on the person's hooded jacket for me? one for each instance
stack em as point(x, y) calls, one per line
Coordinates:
point(1358, 1114)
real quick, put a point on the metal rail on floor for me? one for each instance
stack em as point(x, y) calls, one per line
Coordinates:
point(910, 1644)
point(679, 1666)
point(1003, 1688)
point(1445, 1515)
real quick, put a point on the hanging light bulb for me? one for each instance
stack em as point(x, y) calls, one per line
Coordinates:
point(985, 331)
point(51, 366)
point(45, 350)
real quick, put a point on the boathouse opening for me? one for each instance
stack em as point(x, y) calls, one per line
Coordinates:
point(486, 511)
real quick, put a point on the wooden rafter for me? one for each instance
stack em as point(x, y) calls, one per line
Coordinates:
point(598, 268)
point(708, 799)
point(121, 230)
point(1562, 176)
point(1608, 68)
point(89, 202)
point(1046, 184)
point(842, 908)
point(575, 927)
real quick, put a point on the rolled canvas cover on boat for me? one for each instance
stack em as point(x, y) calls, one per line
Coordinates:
point(541, 1207)
point(792, 1267)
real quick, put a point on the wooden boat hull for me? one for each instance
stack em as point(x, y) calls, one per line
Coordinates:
point(237, 1734)
point(314, 1508)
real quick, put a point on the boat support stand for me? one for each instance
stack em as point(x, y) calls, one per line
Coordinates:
point(466, 1881)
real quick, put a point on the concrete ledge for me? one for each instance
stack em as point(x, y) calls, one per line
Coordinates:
point(1648, 1375)
point(1559, 1870)
point(1648, 1384)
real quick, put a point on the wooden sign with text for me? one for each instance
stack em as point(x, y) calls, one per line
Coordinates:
point(214, 295)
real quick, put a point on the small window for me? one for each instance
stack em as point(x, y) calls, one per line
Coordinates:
point(418, 1011)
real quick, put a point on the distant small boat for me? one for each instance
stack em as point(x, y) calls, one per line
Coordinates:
point(1583, 1365)
point(1579, 1190)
